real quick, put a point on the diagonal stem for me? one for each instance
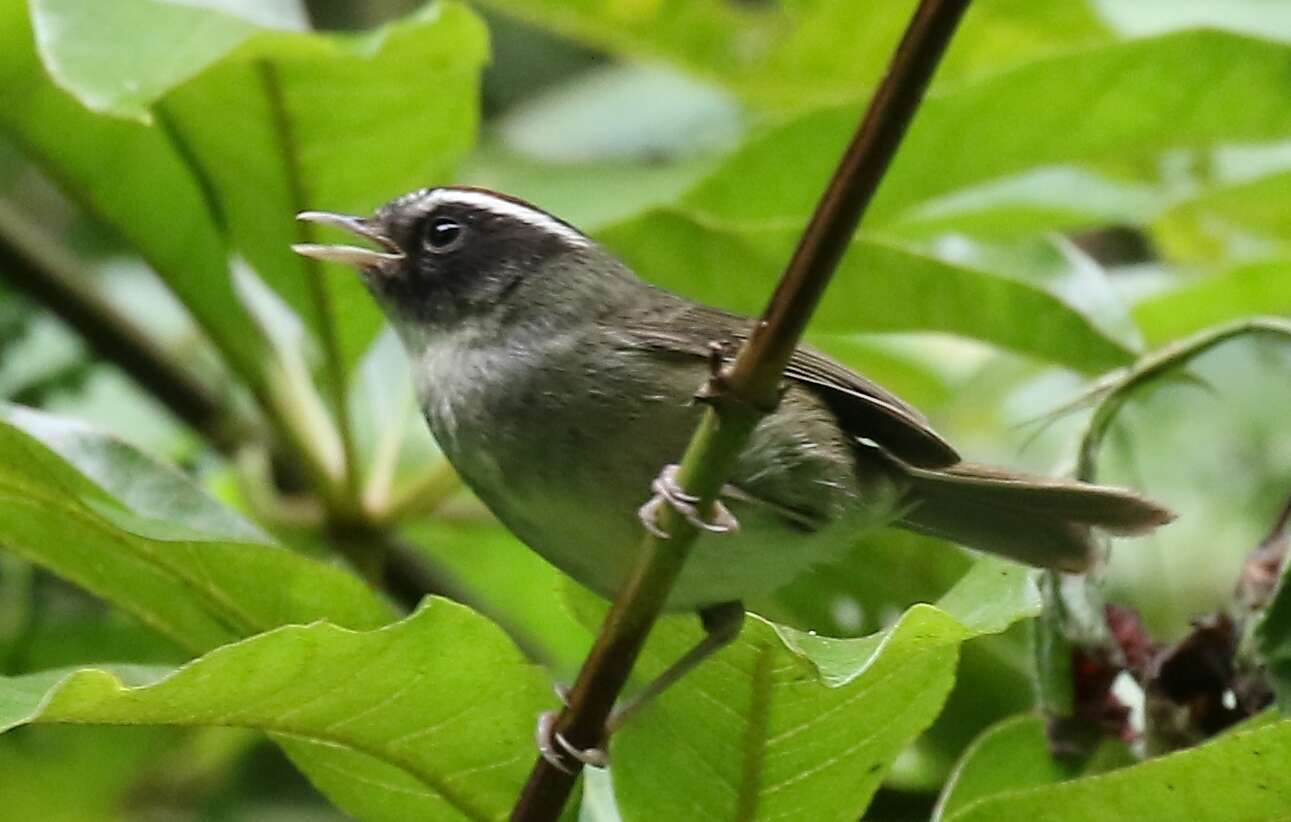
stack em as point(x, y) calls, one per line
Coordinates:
point(336, 376)
point(35, 265)
point(741, 395)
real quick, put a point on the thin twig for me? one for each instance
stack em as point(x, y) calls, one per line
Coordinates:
point(34, 265)
point(1113, 390)
point(742, 395)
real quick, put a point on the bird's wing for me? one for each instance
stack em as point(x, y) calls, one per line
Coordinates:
point(863, 408)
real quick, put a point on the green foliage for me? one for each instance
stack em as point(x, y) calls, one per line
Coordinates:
point(156, 546)
point(985, 285)
point(787, 723)
point(428, 718)
point(310, 111)
point(809, 53)
point(1238, 776)
point(880, 285)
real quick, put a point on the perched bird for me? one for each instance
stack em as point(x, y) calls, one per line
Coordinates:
point(558, 384)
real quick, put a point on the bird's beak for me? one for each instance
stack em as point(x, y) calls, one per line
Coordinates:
point(351, 254)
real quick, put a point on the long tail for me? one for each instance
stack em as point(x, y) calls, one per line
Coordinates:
point(1037, 520)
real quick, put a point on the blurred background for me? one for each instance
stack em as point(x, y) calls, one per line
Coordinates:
point(1089, 181)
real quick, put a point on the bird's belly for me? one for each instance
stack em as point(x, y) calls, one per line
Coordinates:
point(567, 471)
point(590, 537)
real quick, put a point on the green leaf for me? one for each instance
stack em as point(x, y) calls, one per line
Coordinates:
point(868, 588)
point(1045, 199)
point(153, 491)
point(168, 42)
point(323, 121)
point(622, 112)
point(1255, 288)
point(1125, 100)
point(789, 723)
point(512, 585)
point(1239, 776)
point(333, 123)
point(428, 718)
point(139, 535)
point(880, 286)
point(805, 53)
point(1011, 755)
point(131, 178)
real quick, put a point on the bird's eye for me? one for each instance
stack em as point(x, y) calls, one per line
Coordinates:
point(444, 234)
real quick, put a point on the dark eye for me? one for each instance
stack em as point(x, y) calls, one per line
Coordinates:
point(444, 234)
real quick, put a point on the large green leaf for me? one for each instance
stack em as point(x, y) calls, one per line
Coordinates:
point(427, 718)
point(807, 52)
point(130, 177)
point(1239, 776)
point(1125, 100)
point(323, 122)
point(168, 42)
point(880, 286)
point(786, 724)
point(340, 125)
point(1011, 755)
point(102, 515)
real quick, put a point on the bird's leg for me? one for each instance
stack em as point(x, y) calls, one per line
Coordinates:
point(547, 738)
point(721, 625)
point(668, 492)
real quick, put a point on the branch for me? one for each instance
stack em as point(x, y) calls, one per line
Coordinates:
point(34, 265)
point(741, 395)
point(1113, 390)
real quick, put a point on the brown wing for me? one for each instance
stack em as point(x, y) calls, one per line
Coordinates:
point(863, 408)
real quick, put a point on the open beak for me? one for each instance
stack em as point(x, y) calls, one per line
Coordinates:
point(351, 254)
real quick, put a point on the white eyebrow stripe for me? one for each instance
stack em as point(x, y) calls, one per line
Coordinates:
point(506, 208)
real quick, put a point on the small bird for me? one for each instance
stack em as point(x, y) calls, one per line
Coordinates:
point(558, 383)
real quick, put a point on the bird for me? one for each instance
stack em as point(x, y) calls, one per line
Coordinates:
point(558, 383)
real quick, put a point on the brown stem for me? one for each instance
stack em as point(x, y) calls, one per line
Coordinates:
point(34, 265)
point(741, 395)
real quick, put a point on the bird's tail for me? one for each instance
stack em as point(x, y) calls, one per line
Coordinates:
point(1037, 520)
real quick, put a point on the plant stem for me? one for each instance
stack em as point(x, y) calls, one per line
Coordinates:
point(741, 395)
point(36, 266)
point(336, 371)
point(1114, 389)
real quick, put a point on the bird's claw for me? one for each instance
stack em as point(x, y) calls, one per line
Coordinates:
point(547, 738)
point(668, 492)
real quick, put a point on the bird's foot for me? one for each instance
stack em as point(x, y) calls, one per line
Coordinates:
point(548, 738)
point(668, 492)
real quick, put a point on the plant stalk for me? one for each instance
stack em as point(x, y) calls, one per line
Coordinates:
point(739, 396)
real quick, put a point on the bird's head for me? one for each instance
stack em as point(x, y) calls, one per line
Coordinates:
point(444, 256)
